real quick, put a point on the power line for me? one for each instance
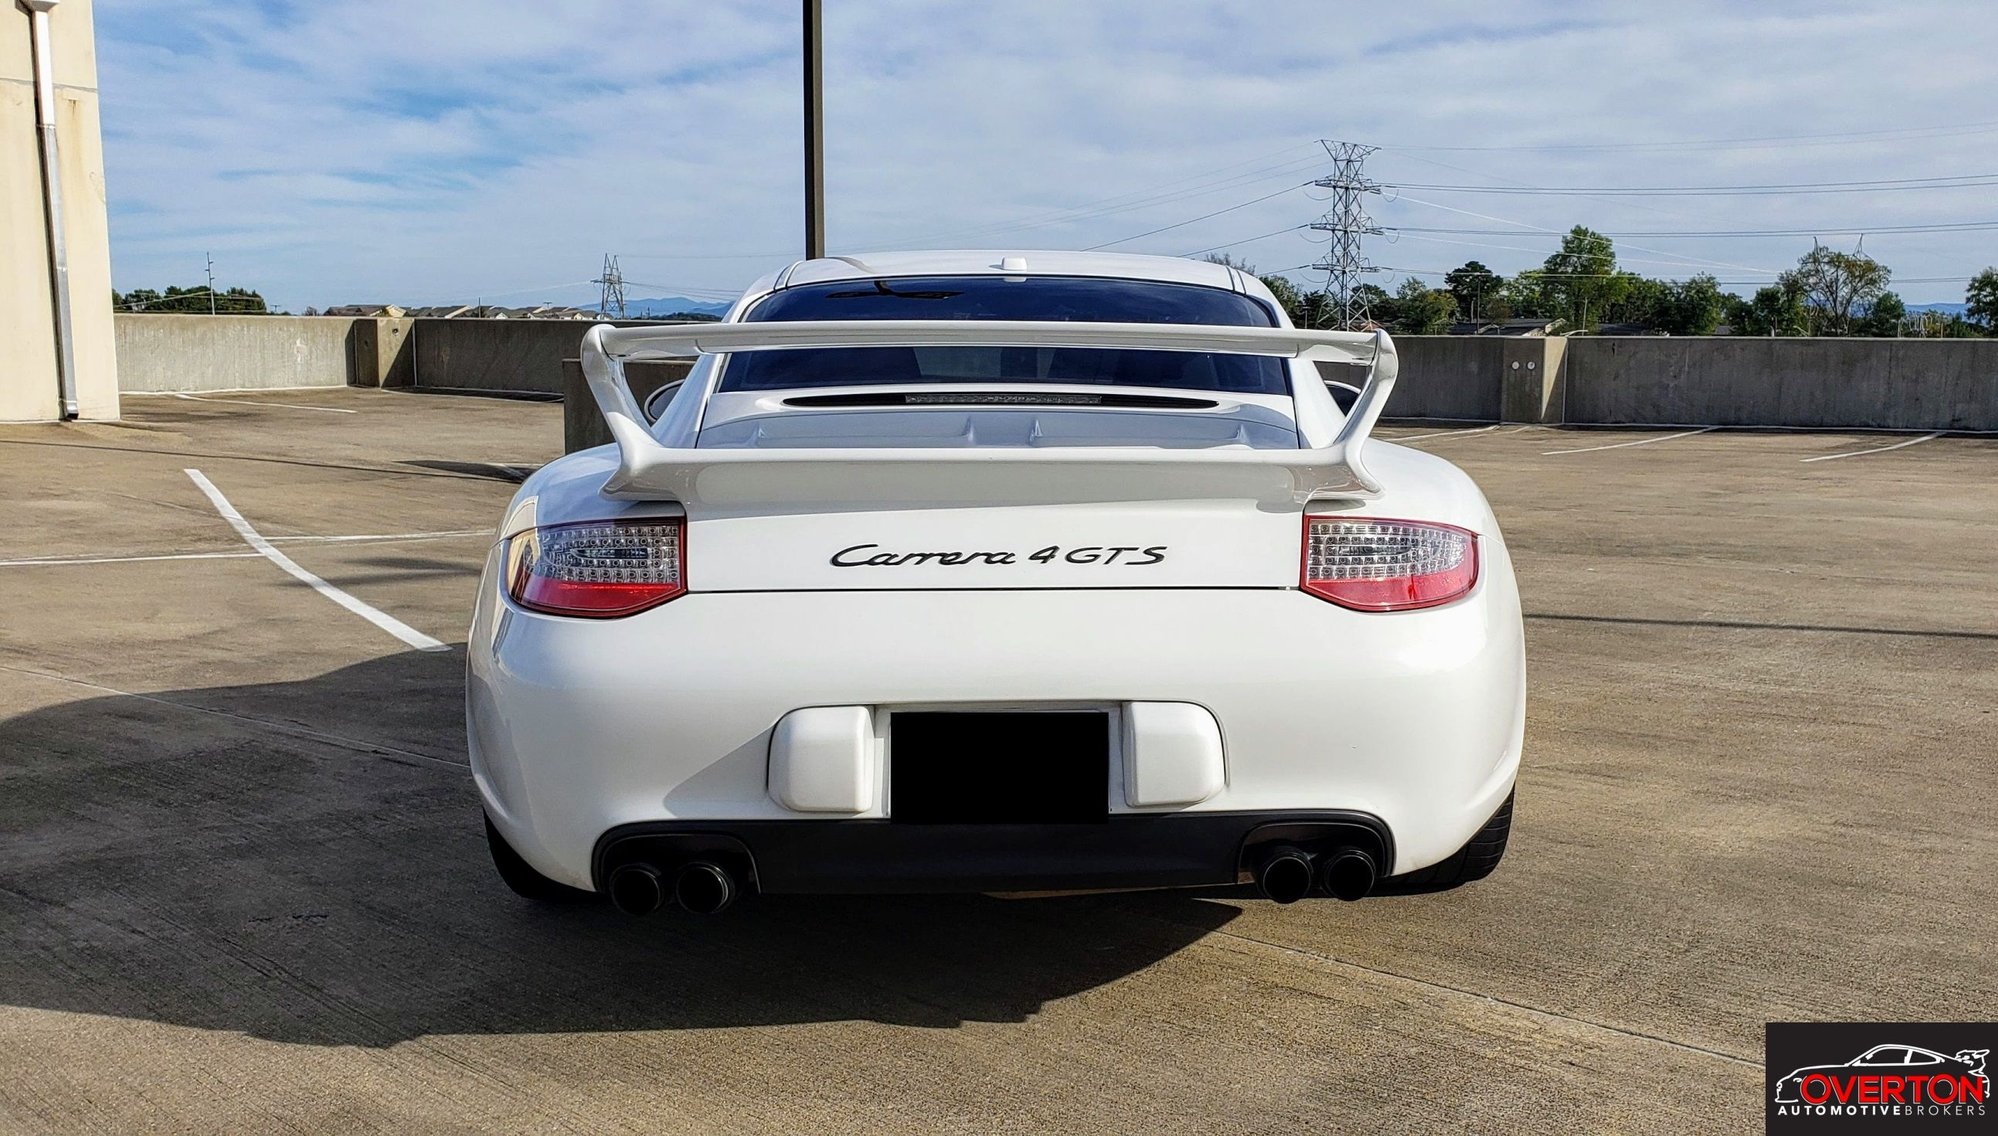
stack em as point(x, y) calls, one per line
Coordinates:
point(788, 253)
point(1673, 262)
point(1623, 202)
point(1139, 199)
point(691, 292)
point(1956, 181)
point(1556, 232)
point(1246, 240)
point(1202, 217)
point(1767, 142)
point(1835, 230)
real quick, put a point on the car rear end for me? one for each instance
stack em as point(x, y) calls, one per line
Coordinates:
point(832, 675)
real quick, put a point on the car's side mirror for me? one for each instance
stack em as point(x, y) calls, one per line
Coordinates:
point(655, 403)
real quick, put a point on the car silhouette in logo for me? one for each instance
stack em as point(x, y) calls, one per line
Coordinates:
point(1964, 1067)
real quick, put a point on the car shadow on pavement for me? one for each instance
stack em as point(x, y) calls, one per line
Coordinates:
point(303, 862)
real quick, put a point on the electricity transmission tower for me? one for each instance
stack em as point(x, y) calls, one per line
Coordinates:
point(613, 288)
point(1347, 221)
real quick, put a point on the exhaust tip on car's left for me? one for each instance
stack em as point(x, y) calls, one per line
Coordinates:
point(700, 886)
point(1286, 874)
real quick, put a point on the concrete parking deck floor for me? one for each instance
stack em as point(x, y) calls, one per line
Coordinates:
point(243, 886)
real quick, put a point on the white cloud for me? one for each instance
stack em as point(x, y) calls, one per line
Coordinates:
point(433, 151)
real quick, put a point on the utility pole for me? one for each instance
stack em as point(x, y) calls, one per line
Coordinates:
point(612, 295)
point(815, 137)
point(1347, 221)
point(211, 282)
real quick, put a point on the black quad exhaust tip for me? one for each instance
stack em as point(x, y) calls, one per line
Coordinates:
point(704, 888)
point(1349, 874)
point(1285, 875)
point(637, 889)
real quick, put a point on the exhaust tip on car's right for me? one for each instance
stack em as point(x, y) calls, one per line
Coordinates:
point(704, 888)
point(1348, 874)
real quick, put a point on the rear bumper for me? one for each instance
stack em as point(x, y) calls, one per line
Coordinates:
point(581, 728)
point(880, 856)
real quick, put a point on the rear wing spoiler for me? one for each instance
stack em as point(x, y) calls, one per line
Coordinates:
point(648, 470)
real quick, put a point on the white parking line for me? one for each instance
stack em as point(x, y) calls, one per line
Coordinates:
point(1441, 434)
point(1639, 442)
point(374, 538)
point(376, 616)
point(127, 559)
point(1876, 449)
point(440, 535)
point(244, 401)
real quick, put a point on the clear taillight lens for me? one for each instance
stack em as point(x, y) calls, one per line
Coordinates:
point(597, 569)
point(1374, 564)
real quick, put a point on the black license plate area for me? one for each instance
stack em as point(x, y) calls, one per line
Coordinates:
point(999, 767)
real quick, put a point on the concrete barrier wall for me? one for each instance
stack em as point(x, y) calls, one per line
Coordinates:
point(516, 356)
point(1895, 384)
point(1892, 384)
point(1451, 377)
point(210, 353)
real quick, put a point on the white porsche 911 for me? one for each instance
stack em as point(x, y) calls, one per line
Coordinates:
point(957, 571)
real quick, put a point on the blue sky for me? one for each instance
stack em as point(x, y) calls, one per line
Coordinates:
point(441, 150)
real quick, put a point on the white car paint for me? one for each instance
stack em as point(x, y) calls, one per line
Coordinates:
point(821, 598)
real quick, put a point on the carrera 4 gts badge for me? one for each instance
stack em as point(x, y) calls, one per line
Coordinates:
point(874, 556)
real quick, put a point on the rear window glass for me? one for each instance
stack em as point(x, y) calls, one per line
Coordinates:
point(1003, 298)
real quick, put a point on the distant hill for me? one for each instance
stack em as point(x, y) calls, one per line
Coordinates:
point(1946, 309)
point(669, 305)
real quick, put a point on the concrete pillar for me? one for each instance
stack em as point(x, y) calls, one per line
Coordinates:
point(383, 356)
point(1534, 377)
point(28, 375)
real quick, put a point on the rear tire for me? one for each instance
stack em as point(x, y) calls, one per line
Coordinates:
point(1474, 861)
point(523, 879)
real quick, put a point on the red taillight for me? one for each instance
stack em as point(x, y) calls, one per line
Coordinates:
point(597, 569)
point(1375, 564)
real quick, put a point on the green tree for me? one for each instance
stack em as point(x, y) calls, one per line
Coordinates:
point(1694, 306)
point(1473, 286)
point(1286, 293)
point(1775, 309)
point(1883, 318)
point(1519, 298)
point(1422, 310)
point(1981, 301)
point(1580, 282)
point(1836, 288)
point(233, 301)
point(1646, 302)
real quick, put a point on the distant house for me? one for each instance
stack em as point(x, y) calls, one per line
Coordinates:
point(1622, 329)
point(1514, 327)
point(494, 311)
point(366, 311)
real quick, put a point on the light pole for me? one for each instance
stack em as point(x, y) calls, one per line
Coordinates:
point(38, 30)
point(815, 137)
